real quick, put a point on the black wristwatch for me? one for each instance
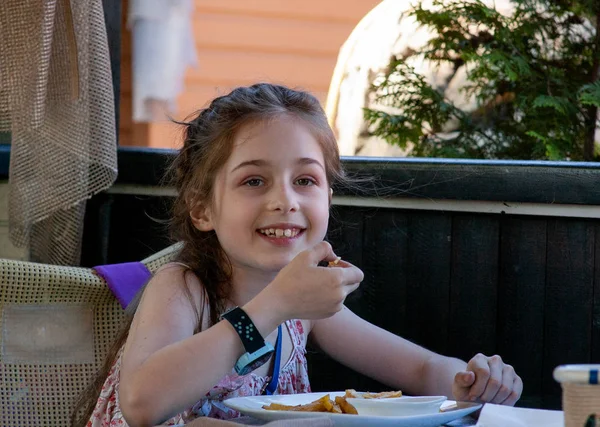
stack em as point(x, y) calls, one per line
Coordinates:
point(257, 350)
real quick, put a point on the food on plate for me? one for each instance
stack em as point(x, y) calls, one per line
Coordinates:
point(346, 407)
point(338, 406)
point(382, 395)
point(324, 404)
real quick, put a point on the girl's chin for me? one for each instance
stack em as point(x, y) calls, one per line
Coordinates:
point(276, 263)
point(276, 266)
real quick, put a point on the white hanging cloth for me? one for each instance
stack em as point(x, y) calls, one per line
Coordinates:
point(163, 47)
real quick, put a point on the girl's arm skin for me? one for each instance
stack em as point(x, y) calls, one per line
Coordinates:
point(403, 365)
point(162, 367)
point(166, 368)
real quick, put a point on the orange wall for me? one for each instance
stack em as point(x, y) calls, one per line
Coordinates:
point(239, 42)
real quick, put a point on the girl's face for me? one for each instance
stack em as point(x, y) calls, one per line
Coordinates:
point(271, 198)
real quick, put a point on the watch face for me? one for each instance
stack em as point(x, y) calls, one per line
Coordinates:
point(260, 361)
point(245, 365)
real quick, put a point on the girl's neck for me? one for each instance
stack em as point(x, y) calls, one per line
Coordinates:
point(247, 283)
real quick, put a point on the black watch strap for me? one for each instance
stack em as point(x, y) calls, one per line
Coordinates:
point(243, 325)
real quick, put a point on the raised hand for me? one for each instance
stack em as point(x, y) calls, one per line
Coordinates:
point(304, 290)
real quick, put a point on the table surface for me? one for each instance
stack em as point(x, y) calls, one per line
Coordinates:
point(463, 422)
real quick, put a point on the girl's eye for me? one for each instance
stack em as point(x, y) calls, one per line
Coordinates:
point(254, 182)
point(304, 182)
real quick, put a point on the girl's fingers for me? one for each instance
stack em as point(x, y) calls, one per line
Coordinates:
point(481, 369)
point(321, 251)
point(351, 275)
point(494, 382)
point(515, 394)
point(465, 379)
point(508, 379)
point(351, 288)
point(462, 384)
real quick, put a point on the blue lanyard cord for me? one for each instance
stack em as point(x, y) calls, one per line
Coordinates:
point(272, 387)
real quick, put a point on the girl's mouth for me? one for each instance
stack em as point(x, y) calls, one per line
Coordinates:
point(281, 233)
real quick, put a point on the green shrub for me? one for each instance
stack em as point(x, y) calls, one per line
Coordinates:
point(534, 74)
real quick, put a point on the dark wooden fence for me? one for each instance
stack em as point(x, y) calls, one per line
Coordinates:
point(459, 256)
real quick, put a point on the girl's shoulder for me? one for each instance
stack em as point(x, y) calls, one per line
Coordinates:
point(176, 283)
point(173, 267)
point(177, 273)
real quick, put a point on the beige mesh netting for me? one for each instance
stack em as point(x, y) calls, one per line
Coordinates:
point(56, 100)
point(56, 326)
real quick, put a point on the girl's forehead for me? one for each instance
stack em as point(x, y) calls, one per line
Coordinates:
point(277, 138)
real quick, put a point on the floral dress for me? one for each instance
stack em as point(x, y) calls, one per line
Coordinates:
point(293, 378)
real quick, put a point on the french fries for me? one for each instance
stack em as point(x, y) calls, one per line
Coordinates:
point(382, 395)
point(324, 404)
point(346, 407)
point(338, 406)
point(330, 263)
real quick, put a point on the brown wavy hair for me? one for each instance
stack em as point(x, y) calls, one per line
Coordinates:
point(208, 143)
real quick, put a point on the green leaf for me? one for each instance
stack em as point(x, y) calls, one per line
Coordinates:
point(553, 152)
point(536, 135)
point(591, 421)
point(590, 94)
point(558, 103)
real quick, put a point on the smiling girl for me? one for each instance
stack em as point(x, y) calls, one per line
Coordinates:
point(232, 316)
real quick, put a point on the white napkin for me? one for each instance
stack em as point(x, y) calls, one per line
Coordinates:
point(507, 416)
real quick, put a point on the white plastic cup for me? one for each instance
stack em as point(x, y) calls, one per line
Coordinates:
point(580, 392)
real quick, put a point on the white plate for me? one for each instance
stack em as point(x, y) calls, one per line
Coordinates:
point(252, 406)
point(398, 406)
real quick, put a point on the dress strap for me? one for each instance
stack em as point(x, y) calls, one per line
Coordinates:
point(272, 387)
point(297, 332)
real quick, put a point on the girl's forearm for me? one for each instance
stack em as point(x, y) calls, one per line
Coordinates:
point(438, 375)
point(154, 392)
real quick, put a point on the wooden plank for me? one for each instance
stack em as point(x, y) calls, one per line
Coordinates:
point(126, 113)
point(126, 77)
point(382, 296)
point(351, 11)
point(289, 69)
point(136, 230)
point(473, 289)
point(521, 301)
point(469, 180)
point(346, 236)
point(385, 246)
point(269, 34)
point(427, 288)
point(507, 181)
point(595, 356)
point(198, 96)
point(112, 19)
point(568, 301)
point(96, 230)
point(346, 228)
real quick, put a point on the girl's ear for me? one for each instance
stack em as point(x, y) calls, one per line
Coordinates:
point(330, 195)
point(201, 218)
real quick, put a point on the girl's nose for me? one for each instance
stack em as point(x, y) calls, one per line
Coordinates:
point(283, 199)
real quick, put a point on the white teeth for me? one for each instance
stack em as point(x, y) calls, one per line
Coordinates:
point(278, 232)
